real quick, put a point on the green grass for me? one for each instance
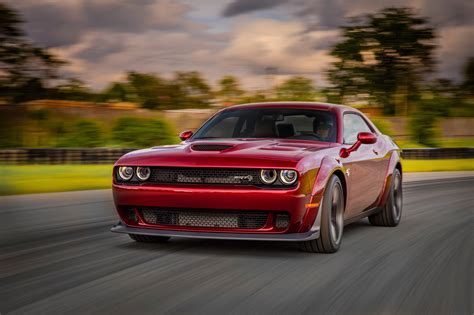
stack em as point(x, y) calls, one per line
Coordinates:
point(438, 165)
point(28, 179)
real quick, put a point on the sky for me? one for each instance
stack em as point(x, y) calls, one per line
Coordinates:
point(102, 39)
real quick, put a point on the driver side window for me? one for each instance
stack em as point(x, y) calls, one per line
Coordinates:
point(353, 124)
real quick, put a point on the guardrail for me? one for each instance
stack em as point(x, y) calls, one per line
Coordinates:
point(438, 153)
point(62, 156)
point(110, 155)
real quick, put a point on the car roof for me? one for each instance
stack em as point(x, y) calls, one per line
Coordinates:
point(286, 104)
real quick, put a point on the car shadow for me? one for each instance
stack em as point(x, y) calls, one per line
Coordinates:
point(236, 247)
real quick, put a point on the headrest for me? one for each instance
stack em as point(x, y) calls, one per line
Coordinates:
point(286, 130)
point(265, 128)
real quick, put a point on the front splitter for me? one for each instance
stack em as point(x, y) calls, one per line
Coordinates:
point(293, 237)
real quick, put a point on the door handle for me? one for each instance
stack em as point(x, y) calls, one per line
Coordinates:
point(376, 153)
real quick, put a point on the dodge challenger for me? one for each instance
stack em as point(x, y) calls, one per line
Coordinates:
point(281, 171)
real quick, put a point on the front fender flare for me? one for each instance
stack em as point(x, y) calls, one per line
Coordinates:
point(394, 160)
point(329, 165)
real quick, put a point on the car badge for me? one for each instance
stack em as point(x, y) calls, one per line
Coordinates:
point(242, 178)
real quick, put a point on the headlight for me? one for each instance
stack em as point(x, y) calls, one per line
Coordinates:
point(143, 173)
point(125, 172)
point(288, 177)
point(268, 176)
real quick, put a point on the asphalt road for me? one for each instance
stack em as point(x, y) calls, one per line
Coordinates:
point(58, 256)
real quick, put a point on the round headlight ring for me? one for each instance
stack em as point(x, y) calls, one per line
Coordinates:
point(125, 172)
point(143, 173)
point(268, 176)
point(288, 177)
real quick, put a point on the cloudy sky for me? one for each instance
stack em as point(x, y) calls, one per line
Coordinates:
point(104, 38)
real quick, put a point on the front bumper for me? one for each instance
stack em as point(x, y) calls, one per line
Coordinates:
point(313, 233)
point(294, 202)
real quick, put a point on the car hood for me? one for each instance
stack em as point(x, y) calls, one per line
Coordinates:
point(227, 153)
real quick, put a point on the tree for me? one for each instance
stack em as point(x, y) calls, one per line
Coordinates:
point(23, 67)
point(194, 91)
point(296, 89)
point(468, 84)
point(229, 88)
point(147, 88)
point(117, 92)
point(73, 90)
point(384, 55)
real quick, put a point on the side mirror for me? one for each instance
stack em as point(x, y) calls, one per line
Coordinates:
point(362, 138)
point(185, 135)
point(366, 138)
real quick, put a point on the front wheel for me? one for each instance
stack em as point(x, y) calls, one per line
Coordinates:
point(332, 220)
point(391, 212)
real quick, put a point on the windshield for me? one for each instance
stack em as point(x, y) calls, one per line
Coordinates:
point(300, 124)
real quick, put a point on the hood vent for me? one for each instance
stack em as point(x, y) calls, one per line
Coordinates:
point(210, 147)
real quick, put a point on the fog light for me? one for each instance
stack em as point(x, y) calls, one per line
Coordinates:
point(282, 221)
point(143, 173)
point(125, 172)
point(129, 215)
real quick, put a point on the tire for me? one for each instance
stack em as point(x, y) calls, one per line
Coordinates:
point(332, 220)
point(391, 212)
point(148, 238)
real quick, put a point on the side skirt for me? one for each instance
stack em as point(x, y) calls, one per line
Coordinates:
point(361, 215)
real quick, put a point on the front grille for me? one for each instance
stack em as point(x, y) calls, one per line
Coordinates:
point(211, 176)
point(205, 218)
point(203, 176)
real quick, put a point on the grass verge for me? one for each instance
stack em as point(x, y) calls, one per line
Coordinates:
point(438, 165)
point(28, 179)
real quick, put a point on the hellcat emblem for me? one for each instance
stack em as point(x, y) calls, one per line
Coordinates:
point(246, 178)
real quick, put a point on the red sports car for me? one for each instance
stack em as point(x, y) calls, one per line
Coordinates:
point(287, 171)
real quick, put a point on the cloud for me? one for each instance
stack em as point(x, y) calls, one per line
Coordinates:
point(101, 45)
point(62, 23)
point(332, 13)
point(452, 19)
point(278, 44)
point(455, 48)
point(237, 7)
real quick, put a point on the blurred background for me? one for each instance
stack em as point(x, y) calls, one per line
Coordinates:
point(83, 82)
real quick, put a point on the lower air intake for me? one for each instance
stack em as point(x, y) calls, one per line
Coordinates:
point(205, 218)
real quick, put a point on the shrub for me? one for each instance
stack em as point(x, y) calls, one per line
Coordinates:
point(142, 132)
point(85, 133)
point(423, 124)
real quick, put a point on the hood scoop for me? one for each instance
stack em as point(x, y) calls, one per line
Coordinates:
point(210, 147)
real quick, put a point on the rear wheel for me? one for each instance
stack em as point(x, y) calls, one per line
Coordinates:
point(391, 212)
point(148, 238)
point(332, 220)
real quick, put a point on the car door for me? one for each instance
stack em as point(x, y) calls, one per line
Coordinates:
point(362, 167)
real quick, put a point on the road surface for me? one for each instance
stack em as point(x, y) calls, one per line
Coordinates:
point(58, 256)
